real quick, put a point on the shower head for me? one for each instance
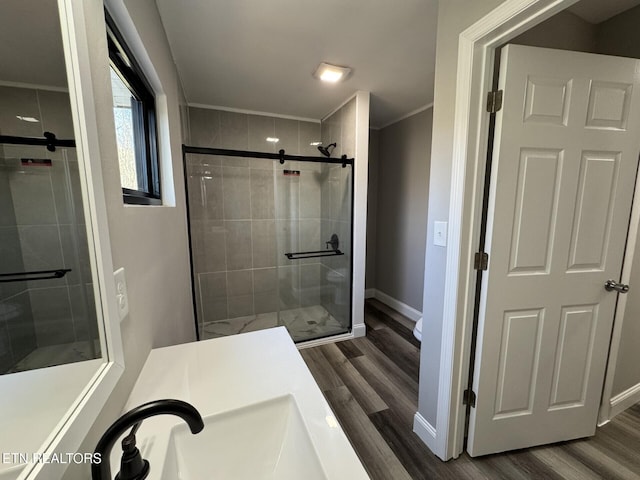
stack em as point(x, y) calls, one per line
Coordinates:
point(325, 150)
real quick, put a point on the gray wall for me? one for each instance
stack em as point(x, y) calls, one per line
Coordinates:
point(564, 31)
point(403, 193)
point(453, 17)
point(157, 266)
point(336, 210)
point(240, 227)
point(618, 36)
point(372, 208)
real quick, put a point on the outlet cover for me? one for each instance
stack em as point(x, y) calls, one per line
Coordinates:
point(440, 234)
point(121, 293)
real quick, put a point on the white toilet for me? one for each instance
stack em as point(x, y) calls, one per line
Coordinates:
point(338, 279)
point(417, 330)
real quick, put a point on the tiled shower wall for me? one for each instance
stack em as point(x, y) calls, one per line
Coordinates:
point(339, 128)
point(246, 214)
point(42, 227)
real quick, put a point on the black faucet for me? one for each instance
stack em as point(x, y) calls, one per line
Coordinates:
point(132, 466)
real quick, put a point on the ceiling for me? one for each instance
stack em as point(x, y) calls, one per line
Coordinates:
point(31, 43)
point(596, 11)
point(258, 55)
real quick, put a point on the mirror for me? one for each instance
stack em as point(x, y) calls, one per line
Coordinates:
point(52, 343)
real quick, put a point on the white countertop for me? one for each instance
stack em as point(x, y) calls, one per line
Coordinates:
point(231, 372)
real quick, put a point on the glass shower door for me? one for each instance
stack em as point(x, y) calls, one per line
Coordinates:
point(313, 233)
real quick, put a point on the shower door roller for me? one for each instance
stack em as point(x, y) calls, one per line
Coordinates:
point(611, 285)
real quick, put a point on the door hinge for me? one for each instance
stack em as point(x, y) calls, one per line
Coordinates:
point(494, 101)
point(481, 261)
point(469, 398)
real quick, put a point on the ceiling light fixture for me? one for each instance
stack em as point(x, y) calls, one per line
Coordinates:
point(331, 73)
point(272, 139)
point(315, 144)
point(27, 119)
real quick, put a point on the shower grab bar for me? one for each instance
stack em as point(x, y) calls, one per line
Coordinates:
point(317, 253)
point(42, 275)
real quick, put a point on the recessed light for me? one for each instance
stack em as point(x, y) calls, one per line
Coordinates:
point(331, 73)
point(27, 119)
point(315, 144)
point(272, 139)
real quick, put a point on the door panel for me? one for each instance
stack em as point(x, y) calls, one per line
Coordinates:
point(564, 167)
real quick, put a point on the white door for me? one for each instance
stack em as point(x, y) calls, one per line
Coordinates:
point(564, 165)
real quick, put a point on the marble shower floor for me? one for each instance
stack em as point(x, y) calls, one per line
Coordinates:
point(302, 323)
point(56, 355)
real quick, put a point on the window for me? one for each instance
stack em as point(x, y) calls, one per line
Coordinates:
point(135, 120)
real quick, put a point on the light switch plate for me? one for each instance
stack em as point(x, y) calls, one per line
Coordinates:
point(440, 234)
point(121, 293)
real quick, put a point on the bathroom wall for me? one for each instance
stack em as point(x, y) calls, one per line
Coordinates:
point(618, 36)
point(403, 192)
point(47, 226)
point(151, 243)
point(564, 31)
point(454, 16)
point(246, 214)
point(336, 209)
point(372, 208)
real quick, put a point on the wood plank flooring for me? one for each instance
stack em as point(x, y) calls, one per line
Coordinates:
point(372, 385)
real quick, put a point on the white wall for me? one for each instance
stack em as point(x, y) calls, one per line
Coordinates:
point(149, 242)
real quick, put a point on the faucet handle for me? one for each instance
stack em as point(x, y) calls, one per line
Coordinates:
point(132, 465)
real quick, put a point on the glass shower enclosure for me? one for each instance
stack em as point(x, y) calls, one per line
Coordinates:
point(270, 242)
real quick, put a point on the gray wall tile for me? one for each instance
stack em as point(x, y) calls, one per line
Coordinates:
point(52, 316)
point(17, 315)
point(236, 187)
point(41, 250)
point(56, 113)
point(213, 296)
point(260, 127)
point(263, 238)
point(240, 283)
point(309, 132)
point(204, 125)
point(205, 192)
point(234, 130)
point(287, 131)
point(239, 255)
point(33, 196)
point(19, 101)
point(262, 202)
point(209, 248)
point(241, 306)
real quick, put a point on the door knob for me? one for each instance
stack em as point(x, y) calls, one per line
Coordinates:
point(611, 285)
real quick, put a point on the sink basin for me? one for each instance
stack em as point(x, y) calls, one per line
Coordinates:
point(266, 440)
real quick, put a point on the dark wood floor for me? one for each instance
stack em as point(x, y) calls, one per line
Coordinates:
point(372, 385)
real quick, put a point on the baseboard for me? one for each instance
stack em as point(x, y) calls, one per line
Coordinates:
point(370, 293)
point(624, 400)
point(359, 330)
point(409, 312)
point(425, 431)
